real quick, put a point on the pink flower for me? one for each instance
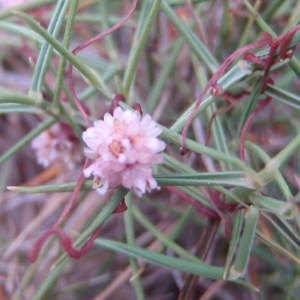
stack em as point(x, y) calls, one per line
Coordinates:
point(124, 147)
point(57, 146)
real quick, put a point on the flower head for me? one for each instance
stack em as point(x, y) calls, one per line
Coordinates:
point(57, 146)
point(124, 147)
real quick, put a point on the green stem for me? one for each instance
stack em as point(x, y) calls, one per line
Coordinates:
point(46, 50)
point(139, 43)
point(130, 238)
point(63, 61)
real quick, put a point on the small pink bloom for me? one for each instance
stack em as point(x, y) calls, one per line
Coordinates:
point(57, 146)
point(124, 147)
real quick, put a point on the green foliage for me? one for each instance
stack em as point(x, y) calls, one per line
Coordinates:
point(164, 64)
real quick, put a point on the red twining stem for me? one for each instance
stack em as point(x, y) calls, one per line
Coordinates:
point(213, 83)
point(65, 241)
point(71, 201)
point(86, 44)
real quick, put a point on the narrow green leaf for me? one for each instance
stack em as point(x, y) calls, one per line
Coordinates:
point(280, 249)
point(251, 104)
point(62, 63)
point(17, 108)
point(21, 30)
point(144, 221)
point(46, 50)
point(283, 96)
point(170, 136)
point(285, 209)
point(205, 270)
point(204, 179)
point(246, 242)
point(139, 41)
point(197, 179)
point(218, 135)
point(238, 222)
point(285, 229)
point(17, 98)
point(130, 238)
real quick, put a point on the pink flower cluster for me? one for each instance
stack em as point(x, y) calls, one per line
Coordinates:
point(124, 147)
point(57, 146)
